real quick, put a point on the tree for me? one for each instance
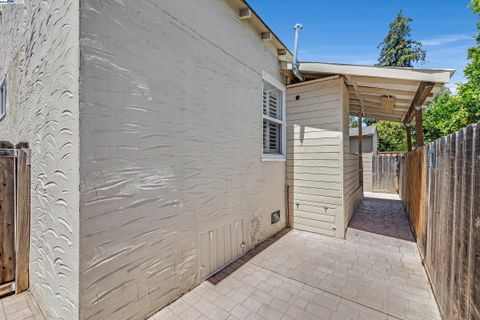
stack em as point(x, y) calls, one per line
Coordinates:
point(449, 113)
point(369, 122)
point(353, 122)
point(398, 49)
point(391, 136)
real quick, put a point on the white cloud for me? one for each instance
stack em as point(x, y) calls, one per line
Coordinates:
point(446, 39)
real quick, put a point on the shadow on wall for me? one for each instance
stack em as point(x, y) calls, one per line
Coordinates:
point(385, 217)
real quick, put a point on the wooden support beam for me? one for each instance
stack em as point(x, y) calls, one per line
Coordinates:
point(7, 288)
point(282, 52)
point(360, 148)
point(267, 36)
point(419, 125)
point(423, 91)
point(356, 92)
point(245, 14)
point(23, 221)
point(408, 129)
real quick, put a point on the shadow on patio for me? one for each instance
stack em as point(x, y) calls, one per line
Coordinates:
point(382, 214)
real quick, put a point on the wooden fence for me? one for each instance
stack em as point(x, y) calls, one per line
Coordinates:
point(440, 188)
point(385, 171)
point(14, 218)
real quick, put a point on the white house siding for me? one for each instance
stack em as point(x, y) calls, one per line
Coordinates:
point(314, 166)
point(367, 172)
point(367, 144)
point(352, 190)
point(171, 144)
point(39, 55)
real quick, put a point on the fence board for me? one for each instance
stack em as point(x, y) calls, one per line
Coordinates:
point(474, 301)
point(23, 222)
point(443, 210)
point(385, 171)
point(7, 220)
point(414, 192)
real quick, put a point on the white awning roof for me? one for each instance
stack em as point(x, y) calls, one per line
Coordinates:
point(369, 85)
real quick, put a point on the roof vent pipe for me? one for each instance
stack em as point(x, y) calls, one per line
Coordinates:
point(296, 64)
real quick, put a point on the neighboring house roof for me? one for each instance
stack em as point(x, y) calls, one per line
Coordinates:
point(366, 131)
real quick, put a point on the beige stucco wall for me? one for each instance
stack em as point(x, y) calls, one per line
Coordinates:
point(170, 115)
point(39, 56)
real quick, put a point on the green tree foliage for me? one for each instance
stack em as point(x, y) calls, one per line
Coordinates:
point(369, 122)
point(398, 49)
point(449, 113)
point(353, 122)
point(391, 136)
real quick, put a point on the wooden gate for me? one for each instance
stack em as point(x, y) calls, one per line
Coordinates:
point(14, 220)
point(385, 171)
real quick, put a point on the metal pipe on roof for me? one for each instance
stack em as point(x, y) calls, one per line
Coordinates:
point(296, 64)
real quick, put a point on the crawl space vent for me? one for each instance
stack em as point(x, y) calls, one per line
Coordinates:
point(275, 217)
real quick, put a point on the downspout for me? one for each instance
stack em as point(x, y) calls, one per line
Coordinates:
point(296, 64)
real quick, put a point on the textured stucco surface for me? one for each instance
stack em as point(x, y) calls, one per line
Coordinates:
point(170, 115)
point(39, 55)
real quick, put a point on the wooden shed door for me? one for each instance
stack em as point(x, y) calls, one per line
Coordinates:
point(14, 220)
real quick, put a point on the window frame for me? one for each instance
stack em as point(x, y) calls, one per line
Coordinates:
point(283, 123)
point(3, 99)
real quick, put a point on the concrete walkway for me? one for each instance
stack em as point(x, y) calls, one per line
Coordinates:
point(307, 276)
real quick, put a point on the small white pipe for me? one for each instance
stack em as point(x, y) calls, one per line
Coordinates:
point(296, 64)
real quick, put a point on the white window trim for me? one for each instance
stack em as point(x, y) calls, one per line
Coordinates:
point(3, 97)
point(280, 86)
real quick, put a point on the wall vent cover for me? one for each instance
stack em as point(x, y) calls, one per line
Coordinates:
point(275, 217)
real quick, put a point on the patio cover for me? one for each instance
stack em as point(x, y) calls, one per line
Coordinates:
point(367, 85)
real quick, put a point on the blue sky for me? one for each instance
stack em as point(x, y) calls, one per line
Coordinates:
point(349, 31)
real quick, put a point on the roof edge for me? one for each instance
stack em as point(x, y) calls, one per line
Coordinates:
point(256, 16)
point(414, 74)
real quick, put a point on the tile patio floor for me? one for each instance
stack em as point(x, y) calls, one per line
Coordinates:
point(19, 307)
point(304, 276)
point(307, 276)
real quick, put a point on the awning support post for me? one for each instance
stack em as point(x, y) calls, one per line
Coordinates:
point(408, 129)
point(419, 125)
point(360, 148)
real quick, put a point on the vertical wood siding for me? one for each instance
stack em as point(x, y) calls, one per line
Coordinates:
point(385, 173)
point(441, 191)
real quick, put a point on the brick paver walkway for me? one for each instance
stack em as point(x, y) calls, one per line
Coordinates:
point(382, 214)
